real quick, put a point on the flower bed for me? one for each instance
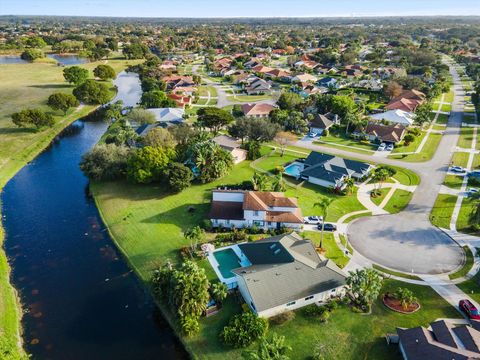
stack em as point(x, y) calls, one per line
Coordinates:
point(394, 304)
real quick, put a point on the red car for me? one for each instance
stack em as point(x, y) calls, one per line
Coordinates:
point(468, 308)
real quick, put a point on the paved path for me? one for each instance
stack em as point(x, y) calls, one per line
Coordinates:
point(407, 241)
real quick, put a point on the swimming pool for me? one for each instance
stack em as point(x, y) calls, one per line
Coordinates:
point(227, 261)
point(294, 169)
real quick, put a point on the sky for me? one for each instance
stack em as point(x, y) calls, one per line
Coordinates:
point(239, 8)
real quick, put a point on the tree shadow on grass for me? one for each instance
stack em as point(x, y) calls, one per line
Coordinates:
point(11, 131)
point(51, 86)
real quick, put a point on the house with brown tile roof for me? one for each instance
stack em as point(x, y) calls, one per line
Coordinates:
point(264, 209)
point(385, 133)
point(231, 145)
point(408, 101)
point(257, 110)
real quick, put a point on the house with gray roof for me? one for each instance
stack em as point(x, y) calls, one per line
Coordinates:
point(331, 171)
point(441, 341)
point(285, 272)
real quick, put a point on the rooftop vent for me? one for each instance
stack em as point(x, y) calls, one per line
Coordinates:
point(273, 246)
point(276, 252)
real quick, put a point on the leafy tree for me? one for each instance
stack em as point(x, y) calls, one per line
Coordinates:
point(289, 100)
point(244, 329)
point(365, 285)
point(149, 164)
point(141, 116)
point(105, 162)
point(381, 175)
point(259, 181)
point(423, 113)
point(179, 176)
point(219, 292)
point(405, 296)
point(104, 72)
point(75, 75)
point(92, 92)
point(36, 117)
point(278, 184)
point(135, 51)
point(156, 99)
point(211, 160)
point(273, 348)
point(323, 205)
point(349, 185)
point(214, 118)
point(112, 111)
point(62, 101)
point(343, 105)
point(35, 42)
point(409, 138)
point(31, 54)
point(159, 137)
point(255, 129)
point(253, 150)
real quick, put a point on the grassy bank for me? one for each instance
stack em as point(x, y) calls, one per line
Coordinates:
point(22, 86)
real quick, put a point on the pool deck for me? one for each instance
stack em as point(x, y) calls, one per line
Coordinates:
point(230, 282)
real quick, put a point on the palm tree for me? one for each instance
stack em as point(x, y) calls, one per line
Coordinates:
point(195, 235)
point(406, 297)
point(278, 183)
point(219, 292)
point(323, 204)
point(349, 185)
point(381, 175)
point(259, 181)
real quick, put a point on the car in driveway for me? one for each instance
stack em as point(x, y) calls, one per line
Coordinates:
point(457, 169)
point(327, 227)
point(472, 191)
point(312, 220)
point(474, 173)
point(389, 147)
point(469, 309)
point(312, 135)
point(382, 147)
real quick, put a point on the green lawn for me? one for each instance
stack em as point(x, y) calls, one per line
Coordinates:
point(446, 107)
point(271, 162)
point(463, 222)
point(439, 127)
point(398, 201)
point(334, 253)
point(476, 161)
point(442, 210)
point(466, 138)
point(395, 273)
point(402, 148)
point(342, 139)
point(472, 287)
point(453, 181)
point(427, 152)
point(406, 176)
point(465, 268)
point(442, 119)
point(448, 97)
point(343, 239)
point(378, 199)
point(357, 216)
point(248, 98)
point(460, 159)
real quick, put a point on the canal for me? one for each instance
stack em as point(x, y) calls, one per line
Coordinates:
point(81, 299)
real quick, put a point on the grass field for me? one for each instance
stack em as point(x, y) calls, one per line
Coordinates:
point(460, 159)
point(427, 152)
point(378, 199)
point(410, 147)
point(357, 216)
point(442, 210)
point(343, 140)
point(465, 268)
point(463, 222)
point(21, 86)
point(453, 181)
point(398, 201)
point(333, 252)
point(248, 98)
point(442, 119)
point(466, 138)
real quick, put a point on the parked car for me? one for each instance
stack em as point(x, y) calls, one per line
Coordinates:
point(469, 309)
point(327, 227)
point(472, 191)
point(382, 147)
point(457, 169)
point(389, 147)
point(312, 135)
point(474, 173)
point(313, 220)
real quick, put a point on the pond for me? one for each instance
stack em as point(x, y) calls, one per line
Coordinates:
point(12, 59)
point(68, 59)
point(82, 301)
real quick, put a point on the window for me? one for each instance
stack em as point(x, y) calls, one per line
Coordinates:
point(309, 297)
point(255, 213)
point(227, 222)
point(291, 303)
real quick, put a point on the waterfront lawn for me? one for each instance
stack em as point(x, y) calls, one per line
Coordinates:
point(442, 210)
point(427, 152)
point(398, 201)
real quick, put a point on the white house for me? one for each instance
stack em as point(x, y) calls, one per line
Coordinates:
point(285, 272)
point(396, 116)
point(267, 210)
point(168, 115)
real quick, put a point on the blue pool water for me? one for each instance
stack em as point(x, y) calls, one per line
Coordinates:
point(294, 169)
